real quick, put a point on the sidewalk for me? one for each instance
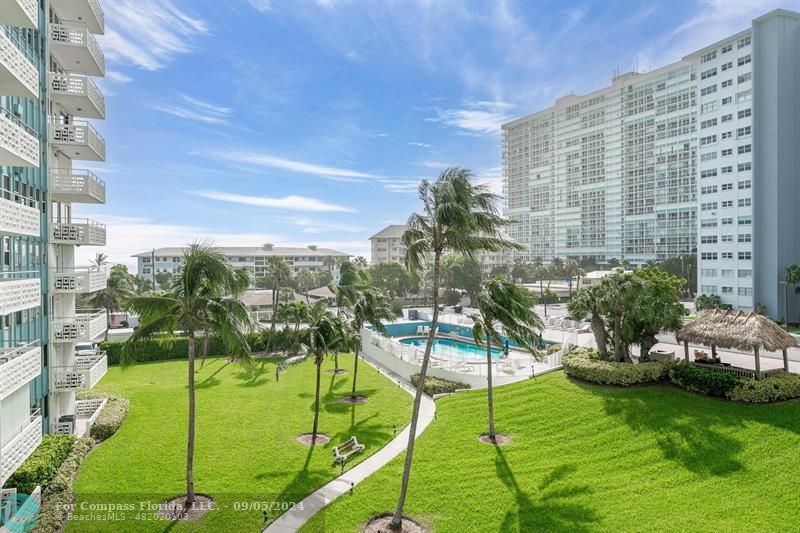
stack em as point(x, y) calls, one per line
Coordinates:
point(294, 519)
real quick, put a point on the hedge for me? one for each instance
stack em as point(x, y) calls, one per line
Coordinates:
point(111, 417)
point(584, 364)
point(40, 467)
point(775, 388)
point(704, 380)
point(59, 495)
point(438, 385)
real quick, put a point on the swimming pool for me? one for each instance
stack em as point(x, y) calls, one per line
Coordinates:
point(453, 348)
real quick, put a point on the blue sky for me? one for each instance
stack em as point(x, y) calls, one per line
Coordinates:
point(312, 122)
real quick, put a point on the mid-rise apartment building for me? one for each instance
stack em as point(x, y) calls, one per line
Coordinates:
point(48, 56)
point(695, 157)
point(312, 257)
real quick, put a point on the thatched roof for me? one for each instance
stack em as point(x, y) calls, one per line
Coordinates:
point(735, 329)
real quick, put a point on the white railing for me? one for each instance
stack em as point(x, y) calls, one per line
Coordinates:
point(13, 60)
point(18, 366)
point(77, 280)
point(77, 185)
point(87, 371)
point(83, 327)
point(19, 291)
point(78, 35)
point(78, 85)
point(79, 133)
point(18, 215)
point(98, 12)
point(19, 444)
point(78, 232)
point(18, 140)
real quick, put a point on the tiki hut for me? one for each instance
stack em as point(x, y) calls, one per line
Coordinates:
point(735, 329)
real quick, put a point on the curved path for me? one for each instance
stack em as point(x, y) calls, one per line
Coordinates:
point(294, 519)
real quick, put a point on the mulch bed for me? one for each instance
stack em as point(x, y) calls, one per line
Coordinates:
point(305, 438)
point(176, 509)
point(337, 372)
point(501, 439)
point(353, 400)
point(380, 524)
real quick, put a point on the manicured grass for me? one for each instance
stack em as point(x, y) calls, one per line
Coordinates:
point(246, 449)
point(592, 458)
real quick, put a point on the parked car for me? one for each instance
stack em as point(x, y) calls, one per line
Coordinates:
point(85, 348)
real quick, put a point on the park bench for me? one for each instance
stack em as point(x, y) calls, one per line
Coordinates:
point(342, 452)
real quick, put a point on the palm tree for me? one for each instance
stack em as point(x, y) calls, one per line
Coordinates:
point(116, 294)
point(195, 301)
point(293, 313)
point(241, 283)
point(276, 273)
point(351, 279)
point(791, 277)
point(458, 217)
point(360, 261)
point(502, 303)
point(306, 280)
point(100, 260)
point(369, 306)
point(588, 301)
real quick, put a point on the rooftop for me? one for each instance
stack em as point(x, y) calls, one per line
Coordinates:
point(245, 251)
point(392, 231)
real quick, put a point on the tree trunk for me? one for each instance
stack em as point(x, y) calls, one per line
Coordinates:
point(204, 354)
point(190, 440)
point(644, 348)
point(617, 335)
point(397, 519)
point(489, 385)
point(544, 299)
point(336, 362)
point(108, 322)
point(600, 336)
point(355, 373)
point(318, 362)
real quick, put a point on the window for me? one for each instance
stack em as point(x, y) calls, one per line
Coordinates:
point(744, 96)
point(744, 113)
point(745, 273)
point(727, 118)
point(746, 220)
point(708, 256)
point(727, 48)
point(726, 152)
point(746, 184)
point(708, 107)
point(710, 73)
point(708, 289)
point(710, 123)
point(708, 239)
point(745, 237)
point(745, 202)
point(711, 189)
point(708, 272)
point(727, 255)
point(711, 139)
point(747, 76)
point(727, 290)
point(710, 173)
point(727, 134)
point(726, 170)
point(727, 238)
point(727, 203)
point(708, 206)
point(705, 91)
point(745, 148)
point(745, 291)
point(743, 60)
point(744, 167)
point(727, 100)
point(710, 156)
point(709, 223)
point(727, 221)
point(711, 56)
point(744, 132)
point(727, 273)
point(744, 41)
point(727, 186)
point(727, 65)
point(727, 83)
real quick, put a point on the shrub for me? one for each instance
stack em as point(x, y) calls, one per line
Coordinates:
point(59, 495)
point(704, 380)
point(438, 385)
point(111, 417)
point(397, 309)
point(553, 348)
point(585, 365)
point(772, 389)
point(65, 474)
point(40, 467)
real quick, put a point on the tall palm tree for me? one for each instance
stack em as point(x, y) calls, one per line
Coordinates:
point(502, 303)
point(240, 284)
point(100, 260)
point(459, 217)
point(198, 299)
point(791, 277)
point(369, 306)
point(306, 280)
point(351, 280)
point(276, 273)
point(116, 294)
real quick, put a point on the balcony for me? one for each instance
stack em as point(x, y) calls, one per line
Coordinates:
point(88, 12)
point(78, 232)
point(76, 187)
point(18, 75)
point(19, 291)
point(86, 413)
point(19, 144)
point(19, 216)
point(77, 280)
point(84, 374)
point(78, 140)
point(22, 13)
point(84, 327)
point(78, 95)
point(18, 366)
point(18, 445)
point(75, 49)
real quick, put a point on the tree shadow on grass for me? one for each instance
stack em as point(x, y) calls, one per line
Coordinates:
point(304, 482)
point(552, 510)
point(211, 380)
point(255, 375)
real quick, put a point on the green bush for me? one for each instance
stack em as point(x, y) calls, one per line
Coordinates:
point(553, 348)
point(65, 474)
point(397, 309)
point(707, 381)
point(585, 365)
point(58, 496)
point(112, 415)
point(438, 385)
point(40, 467)
point(775, 388)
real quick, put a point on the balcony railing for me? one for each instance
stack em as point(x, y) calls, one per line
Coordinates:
point(76, 186)
point(18, 366)
point(76, 49)
point(79, 140)
point(78, 94)
point(19, 444)
point(83, 327)
point(19, 291)
point(19, 144)
point(22, 13)
point(87, 371)
point(77, 280)
point(84, 11)
point(80, 232)
point(19, 216)
point(18, 76)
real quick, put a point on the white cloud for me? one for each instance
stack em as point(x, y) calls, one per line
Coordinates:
point(292, 202)
point(481, 118)
point(492, 178)
point(324, 226)
point(195, 109)
point(264, 6)
point(419, 144)
point(402, 186)
point(434, 164)
point(147, 33)
point(116, 76)
point(301, 167)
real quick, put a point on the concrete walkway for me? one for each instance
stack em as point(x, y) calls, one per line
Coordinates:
point(292, 520)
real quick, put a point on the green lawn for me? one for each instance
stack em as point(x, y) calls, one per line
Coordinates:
point(245, 452)
point(590, 458)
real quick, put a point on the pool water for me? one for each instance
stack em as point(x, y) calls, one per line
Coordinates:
point(453, 348)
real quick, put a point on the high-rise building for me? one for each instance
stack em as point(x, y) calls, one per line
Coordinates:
point(48, 56)
point(699, 156)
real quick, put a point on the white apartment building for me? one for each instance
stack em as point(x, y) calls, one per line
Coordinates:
point(699, 156)
point(312, 257)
